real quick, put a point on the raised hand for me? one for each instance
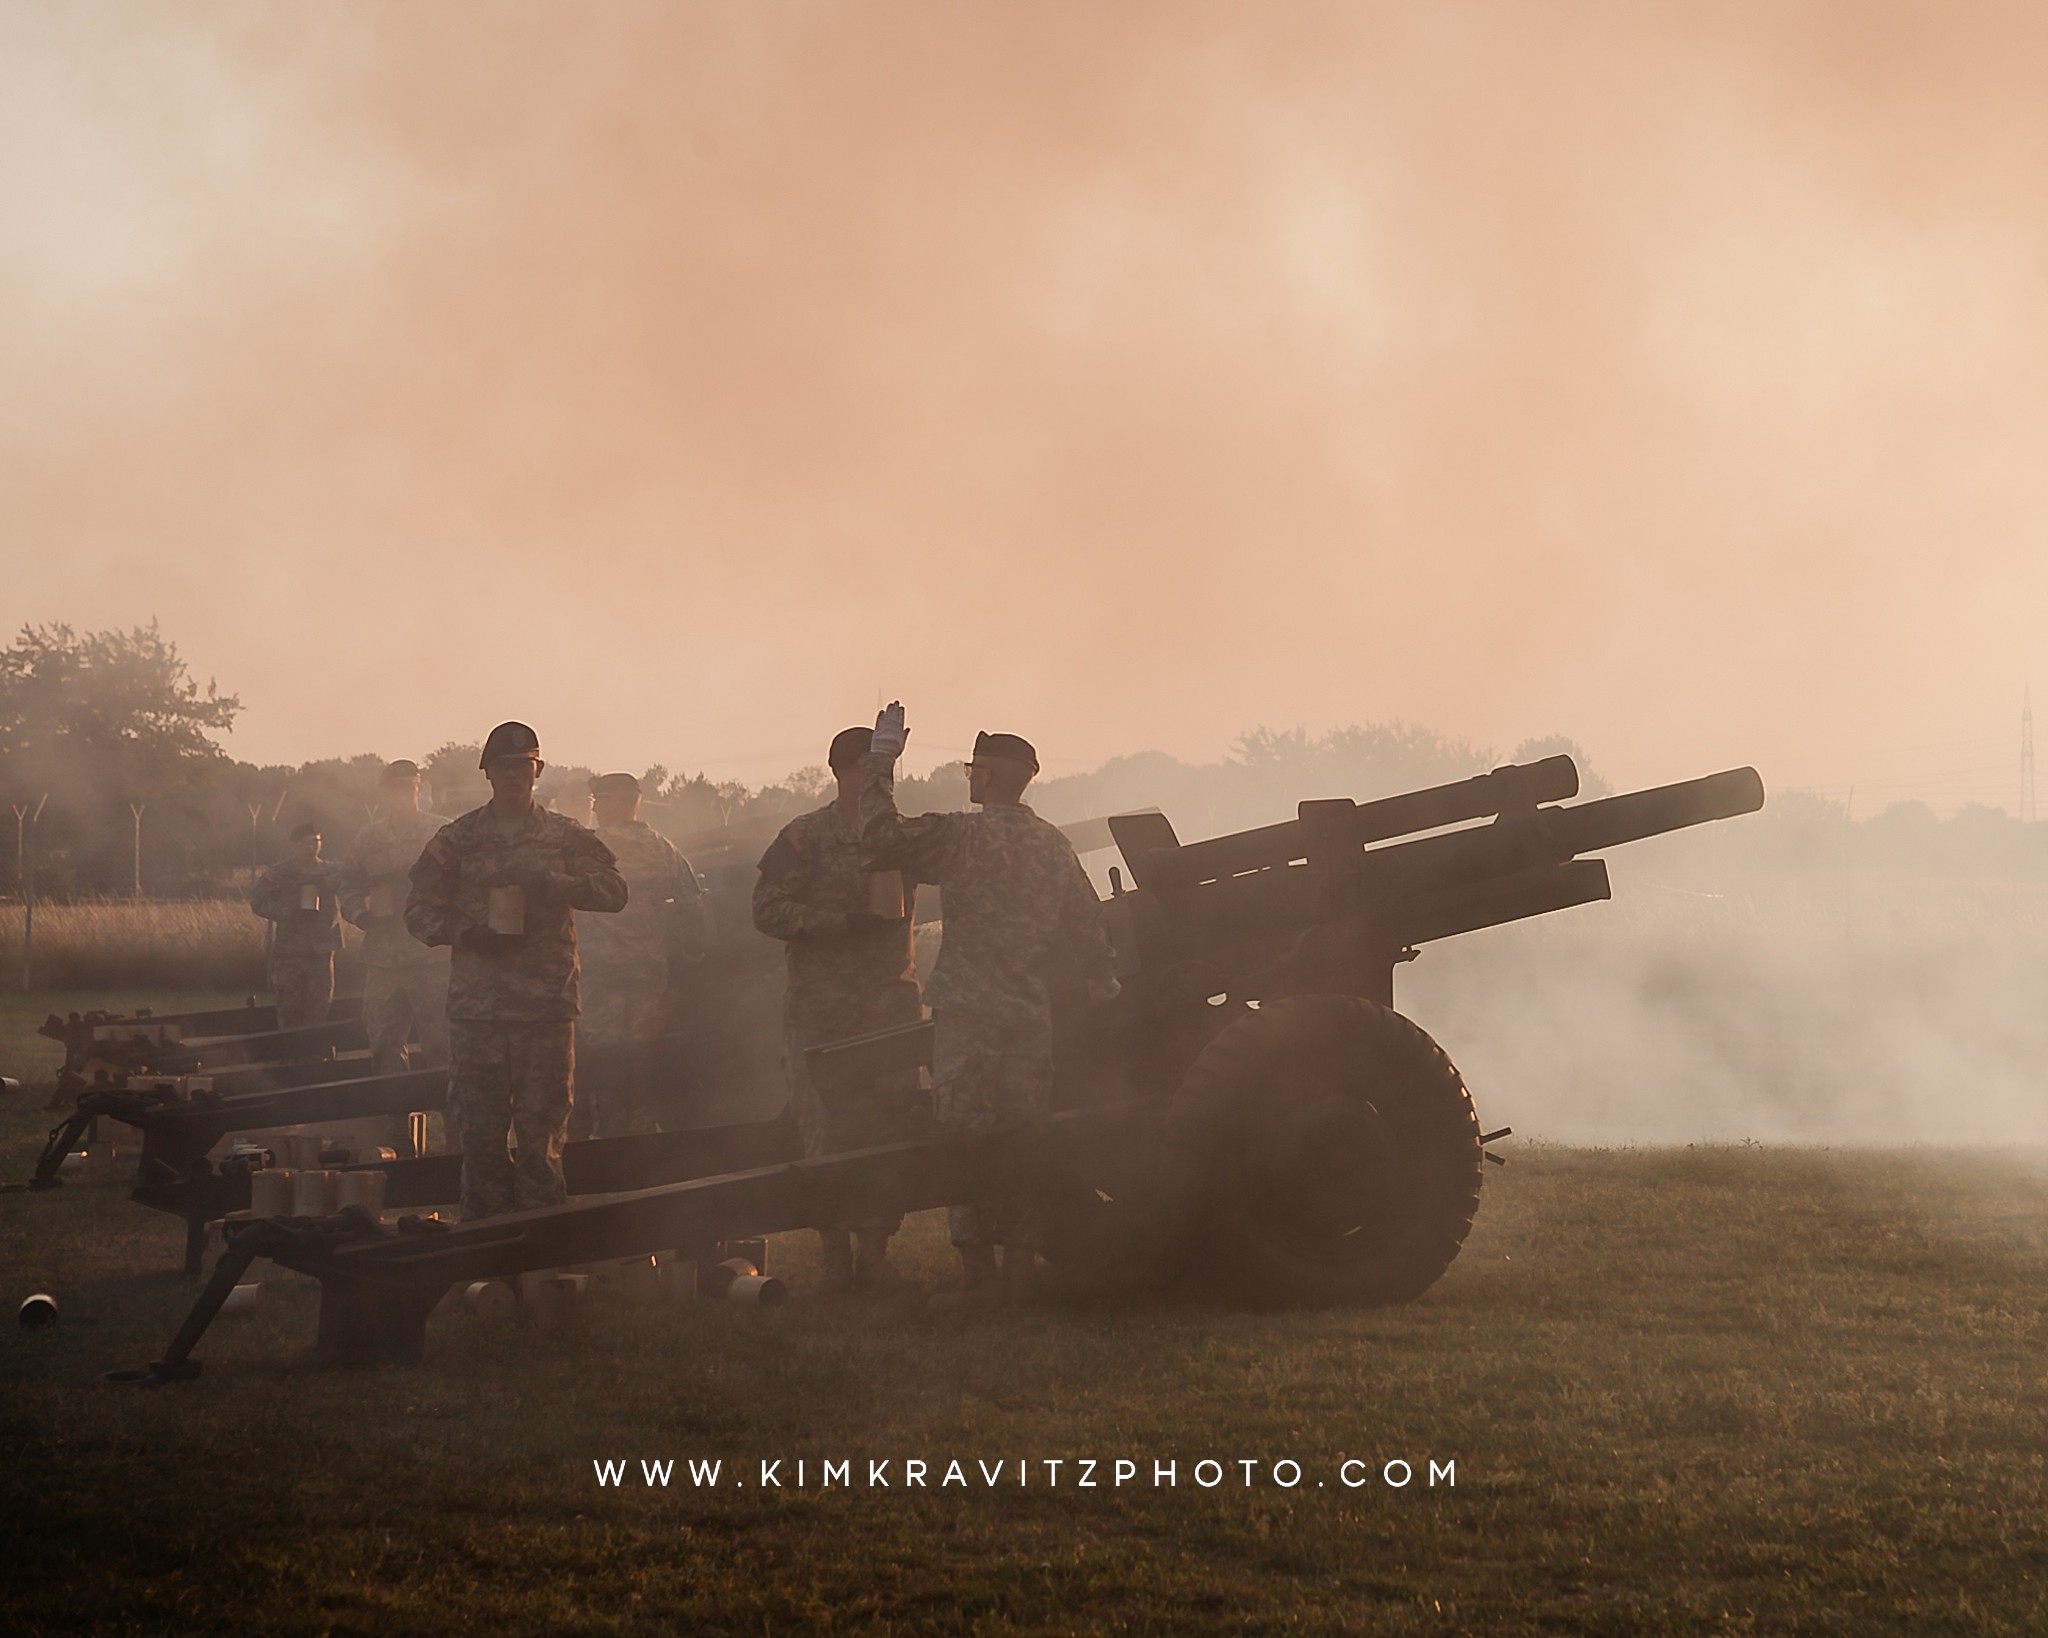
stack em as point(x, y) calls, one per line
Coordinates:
point(890, 733)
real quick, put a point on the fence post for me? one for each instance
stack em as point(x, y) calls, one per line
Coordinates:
point(26, 857)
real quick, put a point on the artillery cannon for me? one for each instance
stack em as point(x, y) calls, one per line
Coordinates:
point(207, 1193)
point(101, 1047)
point(1251, 1099)
point(1315, 1145)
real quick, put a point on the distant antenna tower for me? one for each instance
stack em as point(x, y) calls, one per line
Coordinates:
point(2028, 812)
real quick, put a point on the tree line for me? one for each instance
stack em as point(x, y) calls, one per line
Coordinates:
point(112, 737)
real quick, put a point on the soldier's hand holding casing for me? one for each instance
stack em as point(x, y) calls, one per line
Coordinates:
point(482, 941)
point(891, 735)
point(539, 886)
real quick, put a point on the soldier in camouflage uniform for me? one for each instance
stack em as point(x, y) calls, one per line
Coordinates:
point(851, 970)
point(301, 898)
point(626, 957)
point(405, 984)
point(1018, 910)
point(502, 885)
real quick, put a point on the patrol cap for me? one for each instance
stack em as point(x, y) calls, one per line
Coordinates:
point(305, 828)
point(616, 784)
point(403, 768)
point(509, 739)
point(849, 745)
point(1012, 746)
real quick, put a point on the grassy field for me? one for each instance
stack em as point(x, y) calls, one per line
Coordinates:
point(148, 943)
point(1685, 1390)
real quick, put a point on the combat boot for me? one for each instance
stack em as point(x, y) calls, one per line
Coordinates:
point(836, 1277)
point(872, 1270)
point(981, 1284)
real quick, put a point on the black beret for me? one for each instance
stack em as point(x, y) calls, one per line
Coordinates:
point(509, 739)
point(849, 745)
point(1016, 748)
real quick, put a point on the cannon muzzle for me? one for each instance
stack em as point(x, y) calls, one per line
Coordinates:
point(1613, 820)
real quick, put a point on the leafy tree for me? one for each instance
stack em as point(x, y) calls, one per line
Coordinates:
point(67, 698)
point(100, 721)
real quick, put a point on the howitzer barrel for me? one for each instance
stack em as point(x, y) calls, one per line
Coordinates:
point(1506, 789)
point(1513, 788)
point(1555, 835)
point(1613, 820)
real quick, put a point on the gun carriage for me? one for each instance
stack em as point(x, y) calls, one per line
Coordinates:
point(1251, 1100)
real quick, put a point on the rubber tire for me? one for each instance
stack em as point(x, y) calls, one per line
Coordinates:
point(1416, 1201)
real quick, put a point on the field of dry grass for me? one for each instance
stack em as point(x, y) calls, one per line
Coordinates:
point(149, 943)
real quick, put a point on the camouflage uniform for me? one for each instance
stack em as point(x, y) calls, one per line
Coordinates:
point(843, 980)
point(1018, 911)
point(302, 942)
point(511, 1015)
point(626, 957)
point(405, 984)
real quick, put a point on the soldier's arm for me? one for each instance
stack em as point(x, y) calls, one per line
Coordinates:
point(431, 914)
point(355, 884)
point(263, 896)
point(780, 892)
point(590, 878)
point(690, 935)
point(925, 847)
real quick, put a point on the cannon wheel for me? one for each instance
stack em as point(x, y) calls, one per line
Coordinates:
point(1323, 1150)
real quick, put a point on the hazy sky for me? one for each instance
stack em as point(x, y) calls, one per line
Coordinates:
point(680, 377)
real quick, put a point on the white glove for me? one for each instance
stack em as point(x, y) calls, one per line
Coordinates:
point(1104, 989)
point(890, 733)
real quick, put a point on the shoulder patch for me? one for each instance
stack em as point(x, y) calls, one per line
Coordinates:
point(783, 856)
point(437, 850)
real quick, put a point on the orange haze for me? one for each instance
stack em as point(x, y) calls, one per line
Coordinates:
point(683, 377)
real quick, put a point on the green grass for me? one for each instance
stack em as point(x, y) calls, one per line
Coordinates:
point(1686, 1390)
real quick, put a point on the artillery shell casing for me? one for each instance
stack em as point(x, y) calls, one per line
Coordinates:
point(885, 894)
point(313, 1194)
point(717, 1280)
point(507, 912)
point(637, 1279)
point(38, 1311)
point(758, 1291)
point(365, 1189)
point(679, 1277)
point(557, 1299)
point(490, 1299)
point(246, 1298)
point(270, 1192)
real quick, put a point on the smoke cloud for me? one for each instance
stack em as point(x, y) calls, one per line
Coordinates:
point(1126, 376)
